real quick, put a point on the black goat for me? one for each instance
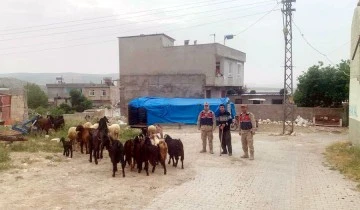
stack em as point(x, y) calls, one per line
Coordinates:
point(175, 149)
point(129, 153)
point(68, 150)
point(116, 153)
point(145, 152)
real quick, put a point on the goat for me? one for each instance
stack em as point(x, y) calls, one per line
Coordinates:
point(129, 153)
point(72, 135)
point(58, 122)
point(87, 125)
point(44, 124)
point(84, 137)
point(116, 153)
point(145, 152)
point(176, 149)
point(114, 131)
point(67, 147)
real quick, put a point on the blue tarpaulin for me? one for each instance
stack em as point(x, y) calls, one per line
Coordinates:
point(177, 110)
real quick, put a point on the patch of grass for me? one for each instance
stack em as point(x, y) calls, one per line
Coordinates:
point(345, 158)
point(53, 158)
point(36, 145)
point(4, 158)
point(128, 133)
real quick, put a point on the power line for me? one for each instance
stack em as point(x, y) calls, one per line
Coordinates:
point(136, 12)
point(308, 43)
point(88, 37)
point(302, 35)
point(113, 26)
point(185, 8)
point(257, 21)
point(227, 19)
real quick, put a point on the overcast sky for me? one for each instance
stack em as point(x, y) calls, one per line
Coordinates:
point(80, 35)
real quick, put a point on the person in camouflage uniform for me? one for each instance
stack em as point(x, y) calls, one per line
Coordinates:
point(247, 131)
point(207, 123)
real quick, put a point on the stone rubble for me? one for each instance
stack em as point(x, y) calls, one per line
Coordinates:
point(299, 121)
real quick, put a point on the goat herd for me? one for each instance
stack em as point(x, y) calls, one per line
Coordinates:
point(137, 151)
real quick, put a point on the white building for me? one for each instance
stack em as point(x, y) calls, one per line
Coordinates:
point(150, 65)
point(354, 105)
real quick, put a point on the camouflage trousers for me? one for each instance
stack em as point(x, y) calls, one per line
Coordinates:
point(207, 134)
point(247, 142)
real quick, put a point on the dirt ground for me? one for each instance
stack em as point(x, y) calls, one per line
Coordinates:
point(52, 181)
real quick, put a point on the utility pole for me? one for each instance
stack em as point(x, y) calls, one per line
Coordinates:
point(288, 120)
point(213, 36)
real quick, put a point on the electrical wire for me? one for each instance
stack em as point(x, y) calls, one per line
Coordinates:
point(310, 45)
point(257, 21)
point(103, 27)
point(129, 13)
point(227, 19)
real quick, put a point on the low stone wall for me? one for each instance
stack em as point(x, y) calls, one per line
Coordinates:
point(275, 112)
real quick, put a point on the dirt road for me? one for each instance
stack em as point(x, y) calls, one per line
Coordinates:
point(287, 173)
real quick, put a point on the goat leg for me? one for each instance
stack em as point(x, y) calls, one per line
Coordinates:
point(176, 163)
point(147, 168)
point(164, 165)
point(81, 147)
point(169, 160)
point(71, 151)
point(123, 164)
point(114, 168)
point(90, 160)
point(96, 156)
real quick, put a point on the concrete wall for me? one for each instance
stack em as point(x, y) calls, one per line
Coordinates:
point(354, 103)
point(275, 112)
point(19, 109)
point(180, 85)
point(147, 55)
point(245, 98)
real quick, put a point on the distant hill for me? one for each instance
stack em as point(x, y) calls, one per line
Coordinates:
point(68, 77)
point(16, 86)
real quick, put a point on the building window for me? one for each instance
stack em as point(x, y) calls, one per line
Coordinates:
point(217, 71)
point(277, 101)
point(256, 101)
point(223, 93)
point(239, 69)
point(103, 92)
point(208, 94)
point(230, 69)
point(92, 93)
point(238, 101)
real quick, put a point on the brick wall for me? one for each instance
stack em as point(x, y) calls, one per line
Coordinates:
point(275, 112)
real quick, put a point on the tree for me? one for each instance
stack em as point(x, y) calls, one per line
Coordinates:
point(67, 109)
point(35, 96)
point(252, 91)
point(325, 86)
point(78, 101)
point(282, 91)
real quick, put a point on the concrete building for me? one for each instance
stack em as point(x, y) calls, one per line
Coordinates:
point(150, 65)
point(13, 106)
point(105, 93)
point(354, 103)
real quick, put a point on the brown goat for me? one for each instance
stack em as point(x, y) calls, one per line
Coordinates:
point(84, 137)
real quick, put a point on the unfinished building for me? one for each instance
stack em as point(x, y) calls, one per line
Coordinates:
point(151, 65)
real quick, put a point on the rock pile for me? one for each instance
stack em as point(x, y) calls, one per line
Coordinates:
point(299, 121)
